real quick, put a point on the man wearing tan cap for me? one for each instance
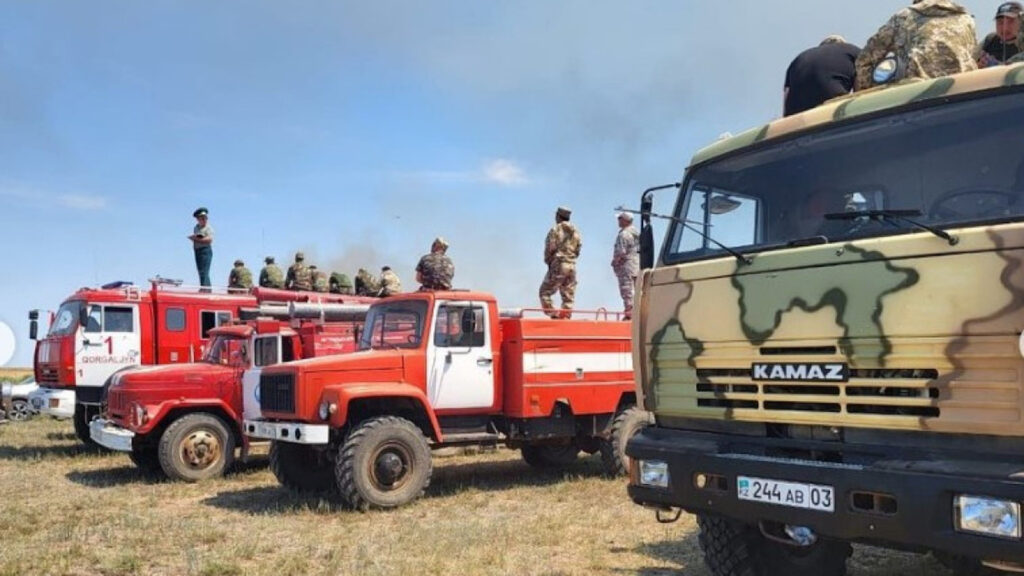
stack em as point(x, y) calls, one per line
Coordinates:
point(626, 261)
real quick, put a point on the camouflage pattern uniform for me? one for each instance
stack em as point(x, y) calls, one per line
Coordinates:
point(319, 279)
point(299, 277)
point(931, 38)
point(341, 284)
point(626, 263)
point(366, 284)
point(271, 276)
point(561, 249)
point(435, 271)
point(390, 284)
point(240, 276)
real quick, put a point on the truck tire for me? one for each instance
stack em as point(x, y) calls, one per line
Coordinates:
point(383, 463)
point(196, 447)
point(733, 549)
point(20, 410)
point(83, 415)
point(301, 468)
point(625, 425)
point(547, 457)
point(145, 456)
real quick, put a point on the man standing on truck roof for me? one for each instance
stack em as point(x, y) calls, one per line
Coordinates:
point(819, 74)
point(1001, 45)
point(931, 38)
point(299, 276)
point(626, 261)
point(319, 279)
point(240, 276)
point(271, 276)
point(340, 283)
point(561, 249)
point(202, 244)
point(390, 284)
point(436, 270)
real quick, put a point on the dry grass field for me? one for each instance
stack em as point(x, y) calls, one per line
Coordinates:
point(65, 510)
point(14, 374)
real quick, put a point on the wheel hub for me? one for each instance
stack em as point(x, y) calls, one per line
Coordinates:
point(389, 468)
point(201, 449)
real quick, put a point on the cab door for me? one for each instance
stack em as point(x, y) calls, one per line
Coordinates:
point(460, 367)
point(108, 342)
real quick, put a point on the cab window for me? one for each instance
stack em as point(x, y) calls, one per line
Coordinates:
point(459, 327)
point(210, 320)
point(266, 351)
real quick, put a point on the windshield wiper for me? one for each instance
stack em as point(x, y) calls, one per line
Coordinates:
point(893, 217)
point(688, 225)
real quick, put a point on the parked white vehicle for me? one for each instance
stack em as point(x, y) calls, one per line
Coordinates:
point(21, 407)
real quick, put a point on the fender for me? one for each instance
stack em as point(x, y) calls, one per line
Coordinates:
point(343, 394)
point(158, 412)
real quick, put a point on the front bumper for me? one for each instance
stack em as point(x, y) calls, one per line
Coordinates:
point(110, 435)
point(56, 402)
point(293, 432)
point(923, 491)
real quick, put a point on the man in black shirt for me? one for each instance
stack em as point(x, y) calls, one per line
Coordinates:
point(1001, 45)
point(819, 74)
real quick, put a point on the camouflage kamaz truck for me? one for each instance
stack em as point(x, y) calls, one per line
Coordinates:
point(829, 338)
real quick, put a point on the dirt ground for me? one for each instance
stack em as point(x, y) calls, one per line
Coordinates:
point(66, 510)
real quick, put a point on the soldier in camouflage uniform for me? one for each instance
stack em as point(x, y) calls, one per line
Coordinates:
point(390, 284)
point(341, 284)
point(561, 249)
point(931, 38)
point(626, 261)
point(366, 284)
point(240, 277)
point(271, 276)
point(319, 279)
point(436, 270)
point(299, 276)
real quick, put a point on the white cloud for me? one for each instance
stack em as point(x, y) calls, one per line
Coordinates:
point(504, 172)
point(82, 202)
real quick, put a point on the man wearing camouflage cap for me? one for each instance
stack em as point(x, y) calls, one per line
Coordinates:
point(299, 276)
point(271, 276)
point(366, 284)
point(436, 270)
point(202, 245)
point(626, 261)
point(1003, 44)
point(319, 279)
point(931, 38)
point(561, 249)
point(240, 277)
point(390, 284)
point(341, 284)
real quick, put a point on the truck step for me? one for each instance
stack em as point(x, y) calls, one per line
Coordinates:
point(471, 438)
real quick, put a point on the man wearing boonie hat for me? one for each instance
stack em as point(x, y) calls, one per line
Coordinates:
point(626, 261)
point(202, 244)
point(1003, 44)
point(561, 249)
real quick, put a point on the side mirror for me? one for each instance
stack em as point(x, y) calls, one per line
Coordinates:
point(83, 315)
point(33, 324)
point(646, 232)
point(468, 321)
point(886, 71)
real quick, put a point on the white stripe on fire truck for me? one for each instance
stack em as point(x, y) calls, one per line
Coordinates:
point(561, 363)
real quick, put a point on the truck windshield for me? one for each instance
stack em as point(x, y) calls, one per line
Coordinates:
point(950, 165)
point(227, 351)
point(397, 325)
point(66, 320)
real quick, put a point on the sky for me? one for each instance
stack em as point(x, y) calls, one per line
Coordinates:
point(357, 132)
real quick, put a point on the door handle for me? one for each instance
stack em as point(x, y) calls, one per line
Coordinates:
point(484, 361)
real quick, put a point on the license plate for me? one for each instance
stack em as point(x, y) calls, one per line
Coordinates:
point(792, 494)
point(54, 403)
point(267, 431)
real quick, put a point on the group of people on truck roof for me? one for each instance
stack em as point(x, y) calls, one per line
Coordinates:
point(928, 39)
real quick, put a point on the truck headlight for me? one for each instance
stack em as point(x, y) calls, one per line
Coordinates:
point(139, 412)
point(326, 409)
point(987, 516)
point(654, 473)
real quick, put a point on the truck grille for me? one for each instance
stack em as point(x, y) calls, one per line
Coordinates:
point(277, 393)
point(48, 375)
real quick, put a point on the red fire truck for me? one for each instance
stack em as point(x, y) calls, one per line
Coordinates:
point(97, 332)
point(439, 369)
point(186, 419)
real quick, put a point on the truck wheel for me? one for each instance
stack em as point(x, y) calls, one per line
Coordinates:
point(546, 456)
point(301, 468)
point(613, 449)
point(196, 447)
point(732, 549)
point(83, 415)
point(383, 463)
point(145, 456)
point(20, 410)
